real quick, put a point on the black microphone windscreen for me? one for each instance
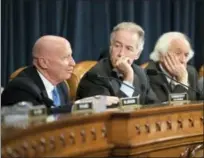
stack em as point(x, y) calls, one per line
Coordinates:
point(59, 110)
point(151, 72)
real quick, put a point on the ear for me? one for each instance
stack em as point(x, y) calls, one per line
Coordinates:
point(137, 55)
point(43, 63)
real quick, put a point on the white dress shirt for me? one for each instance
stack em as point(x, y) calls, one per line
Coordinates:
point(48, 85)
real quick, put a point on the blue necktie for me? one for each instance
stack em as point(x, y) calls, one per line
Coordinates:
point(55, 97)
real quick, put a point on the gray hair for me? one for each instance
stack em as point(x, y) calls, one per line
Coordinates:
point(164, 42)
point(130, 26)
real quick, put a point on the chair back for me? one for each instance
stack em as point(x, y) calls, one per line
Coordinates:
point(144, 65)
point(79, 70)
point(16, 72)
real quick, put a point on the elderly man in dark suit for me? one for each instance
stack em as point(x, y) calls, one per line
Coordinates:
point(126, 45)
point(170, 57)
point(43, 82)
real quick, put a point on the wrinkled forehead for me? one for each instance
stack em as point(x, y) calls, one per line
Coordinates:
point(58, 48)
point(180, 44)
point(48, 45)
point(61, 49)
point(126, 37)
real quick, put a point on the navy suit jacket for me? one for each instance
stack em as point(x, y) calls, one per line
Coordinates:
point(28, 86)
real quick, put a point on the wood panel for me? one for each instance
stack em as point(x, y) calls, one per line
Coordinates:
point(147, 132)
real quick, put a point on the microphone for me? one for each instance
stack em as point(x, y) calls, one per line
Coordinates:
point(153, 72)
point(92, 75)
point(51, 108)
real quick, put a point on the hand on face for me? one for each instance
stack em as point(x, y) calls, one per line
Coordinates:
point(175, 67)
point(123, 64)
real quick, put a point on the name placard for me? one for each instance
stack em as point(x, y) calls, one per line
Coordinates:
point(178, 98)
point(83, 107)
point(130, 103)
point(38, 112)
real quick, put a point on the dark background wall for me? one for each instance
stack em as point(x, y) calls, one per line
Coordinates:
point(88, 23)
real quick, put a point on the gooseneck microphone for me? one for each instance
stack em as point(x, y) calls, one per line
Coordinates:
point(92, 75)
point(113, 78)
point(52, 109)
point(153, 72)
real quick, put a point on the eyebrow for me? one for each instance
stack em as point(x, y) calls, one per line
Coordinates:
point(118, 42)
point(130, 47)
point(126, 45)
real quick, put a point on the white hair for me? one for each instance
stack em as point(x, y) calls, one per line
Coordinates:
point(164, 42)
point(130, 26)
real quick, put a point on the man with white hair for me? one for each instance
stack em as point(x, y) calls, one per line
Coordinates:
point(119, 75)
point(170, 56)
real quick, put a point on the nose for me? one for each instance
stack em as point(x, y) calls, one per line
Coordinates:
point(72, 62)
point(183, 59)
point(121, 52)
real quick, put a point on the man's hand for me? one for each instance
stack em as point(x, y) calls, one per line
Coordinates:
point(175, 67)
point(111, 100)
point(123, 65)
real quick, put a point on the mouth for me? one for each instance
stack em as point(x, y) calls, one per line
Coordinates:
point(69, 71)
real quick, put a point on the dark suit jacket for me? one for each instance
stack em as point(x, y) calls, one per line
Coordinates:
point(28, 86)
point(162, 88)
point(201, 87)
point(90, 86)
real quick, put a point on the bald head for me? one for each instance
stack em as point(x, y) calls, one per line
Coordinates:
point(52, 56)
point(48, 44)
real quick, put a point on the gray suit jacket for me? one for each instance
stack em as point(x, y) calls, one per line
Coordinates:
point(90, 85)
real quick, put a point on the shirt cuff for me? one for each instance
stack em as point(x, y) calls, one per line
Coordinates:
point(181, 85)
point(126, 89)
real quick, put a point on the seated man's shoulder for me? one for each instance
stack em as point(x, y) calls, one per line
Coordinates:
point(191, 68)
point(192, 71)
point(101, 66)
point(103, 62)
point(27, 71)
point(151, 65)
point(19, 89)
point(21, 83)
point(137, 69)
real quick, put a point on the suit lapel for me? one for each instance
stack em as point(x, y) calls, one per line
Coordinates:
point(158, 79)
point(32, 73)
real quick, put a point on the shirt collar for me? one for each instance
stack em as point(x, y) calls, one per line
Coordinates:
point(117, 72)
point(48, 85)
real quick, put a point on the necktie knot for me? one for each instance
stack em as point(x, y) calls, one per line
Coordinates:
point(55, 96)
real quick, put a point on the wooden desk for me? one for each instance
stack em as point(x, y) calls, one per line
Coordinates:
point(169, 131)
